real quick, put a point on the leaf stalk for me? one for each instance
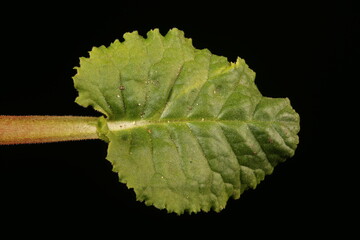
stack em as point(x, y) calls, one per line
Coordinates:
point(43, 129)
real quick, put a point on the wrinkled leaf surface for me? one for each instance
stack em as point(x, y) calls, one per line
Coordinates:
point(187, 130)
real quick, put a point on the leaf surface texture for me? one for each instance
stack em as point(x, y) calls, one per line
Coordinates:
point(187, 130)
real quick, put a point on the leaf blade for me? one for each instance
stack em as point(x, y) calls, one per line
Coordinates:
point(186, 129)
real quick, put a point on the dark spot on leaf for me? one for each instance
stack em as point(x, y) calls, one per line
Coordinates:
point(124, 137)
point(122, 87)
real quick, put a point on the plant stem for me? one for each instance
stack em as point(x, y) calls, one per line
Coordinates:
point(42, 129)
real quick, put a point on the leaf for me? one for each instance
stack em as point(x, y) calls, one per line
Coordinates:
point(187, 130)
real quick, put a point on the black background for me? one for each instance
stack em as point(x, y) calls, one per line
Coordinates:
point(300, 50)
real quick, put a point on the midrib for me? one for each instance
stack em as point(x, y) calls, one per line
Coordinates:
point(123, 125)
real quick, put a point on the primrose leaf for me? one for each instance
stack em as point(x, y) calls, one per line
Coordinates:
point(186, 129)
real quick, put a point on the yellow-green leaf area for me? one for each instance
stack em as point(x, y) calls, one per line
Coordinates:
point(186, 129)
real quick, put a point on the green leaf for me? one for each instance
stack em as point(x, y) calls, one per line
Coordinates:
point(187, 130)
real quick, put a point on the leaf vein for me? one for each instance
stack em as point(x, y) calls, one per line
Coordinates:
point(202, 86)
point(230, 94)
point(170, 92)
point(119, 82)
point(260, 146)
point(179, 154)
point(282, 138)
point(229, 143)
point(147, 91)
point(207, 160)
